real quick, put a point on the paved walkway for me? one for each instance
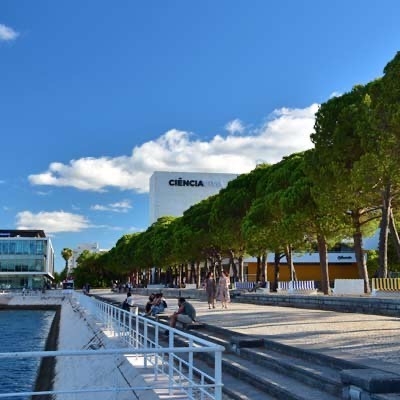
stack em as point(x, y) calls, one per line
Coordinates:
point(369, 338)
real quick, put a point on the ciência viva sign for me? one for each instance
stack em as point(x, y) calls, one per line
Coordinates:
point(194, 183)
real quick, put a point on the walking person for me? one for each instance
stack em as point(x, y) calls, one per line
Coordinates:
point(223, 289)
point(211, 289)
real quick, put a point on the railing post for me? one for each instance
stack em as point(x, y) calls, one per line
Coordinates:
point(119, 323)
point(218, 375)
point(156, 333)
point(145, 344)
point(171, 362)
point(137, 327)
point(190, 360)
point(130, 330)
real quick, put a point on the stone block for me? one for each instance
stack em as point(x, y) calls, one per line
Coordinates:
point(371, 380)
point(246, 342)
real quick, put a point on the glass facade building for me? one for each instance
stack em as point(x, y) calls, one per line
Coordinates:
point(26, 259)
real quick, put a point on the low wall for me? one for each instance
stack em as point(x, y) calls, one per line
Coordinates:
point(362, 305)
point(174, 293)
point(73, 329)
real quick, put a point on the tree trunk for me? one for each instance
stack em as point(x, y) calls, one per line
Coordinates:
point(258, 272)
point(241, 268)
point(384, 231)
point(394, 234)
point(186, 273)
point(289, 260)
point(219, 264)
point(277, 260)
point(180, 270)
point(148, 275)
point(323, 261)
point(198, 275)
point(233, 265)
point(359, 252)
point(192, 273)
point(264, 267)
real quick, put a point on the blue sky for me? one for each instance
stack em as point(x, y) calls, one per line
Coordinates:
point(96, 95)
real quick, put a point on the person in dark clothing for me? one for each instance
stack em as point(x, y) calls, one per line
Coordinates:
point(186, 313)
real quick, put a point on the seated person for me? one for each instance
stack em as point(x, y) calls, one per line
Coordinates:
point(186, 313)
point(149, 303)
point(128, 303)
point(159, 304)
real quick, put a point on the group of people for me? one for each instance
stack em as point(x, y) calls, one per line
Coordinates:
point(186, 312)
point(156, 304)
point(220, 291)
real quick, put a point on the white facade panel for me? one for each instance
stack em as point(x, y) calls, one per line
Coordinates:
point(171, 193)
point(80, 248)
point(310, 258)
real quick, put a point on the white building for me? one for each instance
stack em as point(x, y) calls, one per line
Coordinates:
point(26, 259)
point(80, 248)
point(171, 193)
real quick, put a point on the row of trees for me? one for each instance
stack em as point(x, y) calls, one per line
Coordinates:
point(344, 188)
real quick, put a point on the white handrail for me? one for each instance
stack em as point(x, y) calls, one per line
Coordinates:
point(143, 339)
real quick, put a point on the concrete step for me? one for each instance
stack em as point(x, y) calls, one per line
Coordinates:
point(317, 376)
point(308, 373)
point(307, 355)
point(234, 388)
point(273, 383)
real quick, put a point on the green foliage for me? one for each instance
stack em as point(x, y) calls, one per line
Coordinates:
point(66, 254)
point(333, 191)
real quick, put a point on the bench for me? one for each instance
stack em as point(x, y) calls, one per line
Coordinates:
point(282, 287)
point(155, 286)
point(385, 286)
point(190, 286)
point(302, 287)
point(297, 287)
point(348, 287)
point(244, 285)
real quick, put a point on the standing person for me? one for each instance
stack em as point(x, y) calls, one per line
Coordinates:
point(211, 288)
point(223, 289)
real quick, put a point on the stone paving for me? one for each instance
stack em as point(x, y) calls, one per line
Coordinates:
point(350, 335)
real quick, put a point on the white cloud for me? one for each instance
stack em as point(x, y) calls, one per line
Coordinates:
point(235, 126)
point(286, 131)
point(121, 206)
point(335, 94)
point(7, 33)
point(56, 221)
point(135, 229)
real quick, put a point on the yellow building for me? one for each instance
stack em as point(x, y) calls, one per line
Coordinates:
point(307, 267)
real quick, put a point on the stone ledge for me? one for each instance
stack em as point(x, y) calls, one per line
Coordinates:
point(371, 380)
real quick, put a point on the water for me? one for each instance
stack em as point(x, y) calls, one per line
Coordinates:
point(22, 330)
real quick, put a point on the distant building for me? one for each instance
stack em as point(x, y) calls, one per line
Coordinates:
point(80, 248)
point(171, 193)
point(342, 265)
point(26, 259)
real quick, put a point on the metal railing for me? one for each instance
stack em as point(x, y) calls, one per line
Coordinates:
point(57, 293)
point(172, 359)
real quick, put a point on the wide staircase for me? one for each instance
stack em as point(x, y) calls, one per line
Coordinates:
point(259, 369)
point(256, 369)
